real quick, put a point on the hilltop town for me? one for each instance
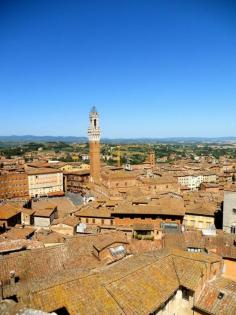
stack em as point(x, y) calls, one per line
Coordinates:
point(102, 228)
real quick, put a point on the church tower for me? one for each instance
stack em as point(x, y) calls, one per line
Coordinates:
point(152, 158)
point(94, 134)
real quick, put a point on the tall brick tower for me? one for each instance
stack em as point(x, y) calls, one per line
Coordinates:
point(94, 134)
point(151, 158)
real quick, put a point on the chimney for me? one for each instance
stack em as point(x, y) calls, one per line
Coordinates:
point(12, 277)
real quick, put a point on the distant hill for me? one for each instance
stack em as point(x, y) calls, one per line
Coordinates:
point(72, 139)
point(30, 138)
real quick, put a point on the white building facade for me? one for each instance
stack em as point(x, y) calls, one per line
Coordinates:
point(193, 182)
point(45, 182)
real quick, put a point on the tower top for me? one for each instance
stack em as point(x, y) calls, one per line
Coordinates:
point(94, 110)
point(94, 131)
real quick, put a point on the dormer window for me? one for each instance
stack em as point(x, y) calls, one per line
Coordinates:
point(185, 294)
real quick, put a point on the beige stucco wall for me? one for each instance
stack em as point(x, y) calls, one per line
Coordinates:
point(41, 222)
point(43, 184)
point(25, 218)
point(229, 269)
point(63, 229)
point(198, 221)
point(177, 305)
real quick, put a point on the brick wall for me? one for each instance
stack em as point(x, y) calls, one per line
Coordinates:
point(13, 185)
point(94, 152)
point(127, 221)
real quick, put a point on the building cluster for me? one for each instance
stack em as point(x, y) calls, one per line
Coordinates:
point(153, 238)
point(41, 179)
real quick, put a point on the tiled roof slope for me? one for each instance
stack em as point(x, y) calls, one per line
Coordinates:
point(121, 288)
point(7, 211)
point(76, 252)
point(218, 298)
point(80, 296)
point(138, 295)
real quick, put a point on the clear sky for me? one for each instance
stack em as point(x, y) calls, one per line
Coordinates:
point(153, 68)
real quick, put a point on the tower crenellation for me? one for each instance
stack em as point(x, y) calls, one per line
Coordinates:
point(94, 132)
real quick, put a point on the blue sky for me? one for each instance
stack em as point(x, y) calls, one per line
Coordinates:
point(153, 68)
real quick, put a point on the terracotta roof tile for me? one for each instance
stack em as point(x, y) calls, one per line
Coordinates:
point(165, 206)
point(101, 212)
point(18, 233)
point(108, 239)
point(205, 209)
point(9, 210)
point(218, 298)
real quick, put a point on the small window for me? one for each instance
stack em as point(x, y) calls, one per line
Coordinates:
point(185, 294)
point(17, 279)
point(233, 229)
point(220, 295)
point(61, 311)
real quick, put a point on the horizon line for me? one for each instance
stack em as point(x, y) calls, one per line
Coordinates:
point(135, 138)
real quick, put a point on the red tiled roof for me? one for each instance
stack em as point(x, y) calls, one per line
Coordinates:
point(8, 210)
